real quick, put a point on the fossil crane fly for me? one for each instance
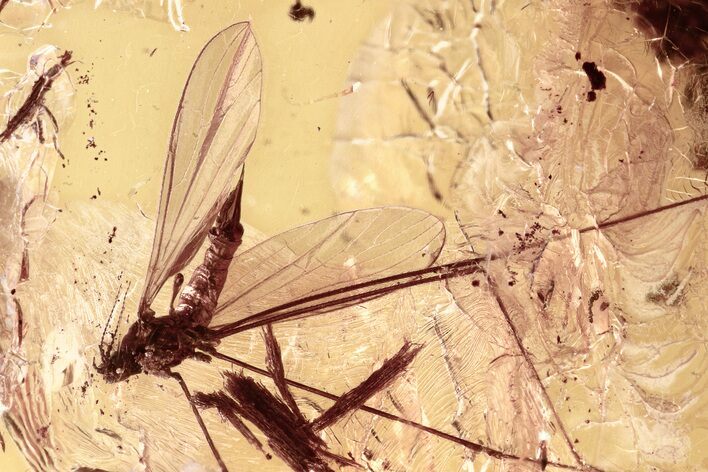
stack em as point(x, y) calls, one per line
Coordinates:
point(213, 131)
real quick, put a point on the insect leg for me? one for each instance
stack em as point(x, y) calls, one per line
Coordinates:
point(380, 379)
point(274, 363)
point(229, 410)
point(120, 317)
point(185, 389)
point(103, 346)
point(489, 451)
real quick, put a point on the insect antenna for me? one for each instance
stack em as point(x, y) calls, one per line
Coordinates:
point(120, 316)
point(102, 346)
point(107, 349)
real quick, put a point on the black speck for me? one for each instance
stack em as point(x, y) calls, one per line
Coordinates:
point(578, 56)
point(598, 81)
point(112, 235)
point(300, 12)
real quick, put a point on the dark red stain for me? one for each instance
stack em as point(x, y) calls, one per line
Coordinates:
point(300, 12)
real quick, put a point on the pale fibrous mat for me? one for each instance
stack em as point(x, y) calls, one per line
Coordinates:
point(479, 111)
point(476, 111)
point(30, 15)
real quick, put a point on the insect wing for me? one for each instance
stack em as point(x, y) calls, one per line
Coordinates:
point(330, 254)
point(213, 131)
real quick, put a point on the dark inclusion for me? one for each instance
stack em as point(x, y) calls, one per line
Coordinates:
point(597, 79)
point(682, 26)
point(300, 12)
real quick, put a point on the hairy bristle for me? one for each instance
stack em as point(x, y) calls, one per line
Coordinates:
point(292, 440)
point(229, 410)
point(377, 381)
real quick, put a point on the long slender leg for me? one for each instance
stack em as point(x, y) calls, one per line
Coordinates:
point(185, 389)
point(380, 379)
point(274, 362)
point(491, 452)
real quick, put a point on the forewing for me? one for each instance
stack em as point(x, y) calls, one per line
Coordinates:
point(213, 131)
point(330, 254)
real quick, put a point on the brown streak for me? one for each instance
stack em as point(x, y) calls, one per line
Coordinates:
point(418, 107)
point(462, 442)
point(36, 96)
point(642, 214)
point(20, 324)
point(24, 266)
